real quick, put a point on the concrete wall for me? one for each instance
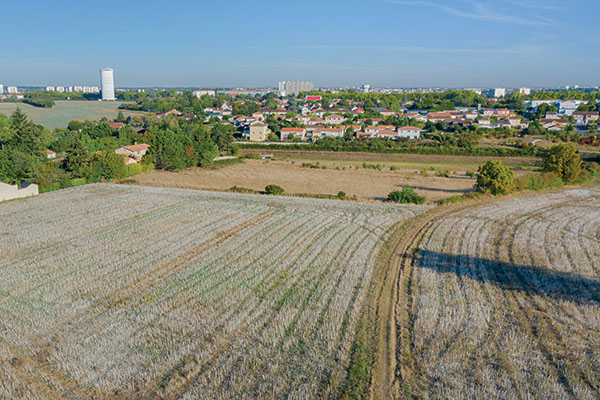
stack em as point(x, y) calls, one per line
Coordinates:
point(9, 192)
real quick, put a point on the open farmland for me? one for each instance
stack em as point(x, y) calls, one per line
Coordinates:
point(129, 292)
point(65, 111)
point(503, 301)
point(330, 178)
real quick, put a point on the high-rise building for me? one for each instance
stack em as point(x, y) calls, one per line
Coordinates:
point(525, 91)
point(108, 84)
point(499, 92)
point(12, 90)
point(294, 87)
point(1, 89)
point(49, 88)
point(366, 88)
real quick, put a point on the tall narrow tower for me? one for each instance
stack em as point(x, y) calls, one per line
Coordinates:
point(108, 84)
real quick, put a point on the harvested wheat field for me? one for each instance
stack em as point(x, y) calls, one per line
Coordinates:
point(112, 291)
point(503, 301)
point(351, 178)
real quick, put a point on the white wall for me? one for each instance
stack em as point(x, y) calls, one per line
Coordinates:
point(9, 192)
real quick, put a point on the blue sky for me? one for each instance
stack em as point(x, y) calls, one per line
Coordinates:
point(394, 43)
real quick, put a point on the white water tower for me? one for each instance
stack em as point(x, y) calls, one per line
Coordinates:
point(108, 84)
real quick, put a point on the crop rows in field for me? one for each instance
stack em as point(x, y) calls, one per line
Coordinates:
point(109, 290)
point(506, 302)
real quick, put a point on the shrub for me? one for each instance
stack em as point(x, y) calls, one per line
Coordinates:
point(424, 173)
point(563, 160)
point(444, 174)
point(342, 195)
point(470, 174)
point(537, 182)
point(393, 168)
point(252, 156)
point(496, 178)
point(405, 196)
point(274, 189)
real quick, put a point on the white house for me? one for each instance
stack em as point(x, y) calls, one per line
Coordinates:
point(411, 132)
point(298, 133)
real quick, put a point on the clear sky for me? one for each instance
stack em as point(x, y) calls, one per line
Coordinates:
point(450, 43)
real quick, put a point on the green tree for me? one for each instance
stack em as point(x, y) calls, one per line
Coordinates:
point(76, 156)
point(223, 136)
point(205, 150)
point(564, 160)
point(120, 117)
point(111, 165)
point(168, 151)
point(496, 178)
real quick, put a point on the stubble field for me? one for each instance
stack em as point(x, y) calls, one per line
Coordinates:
point(119, 292)
point(503, 301)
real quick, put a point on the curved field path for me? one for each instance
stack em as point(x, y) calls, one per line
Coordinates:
point(500, 300)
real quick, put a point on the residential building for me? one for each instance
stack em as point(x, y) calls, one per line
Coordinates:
point(258, 132)
point(334, 119)
point(200, 93)
point(525, 91)
point(135, 151)
point(585, 117)
point(294, 87)
point(108, 84)
point(499, 92)
point(12, 90)
point(1, 89)
point(366, 88)
point(289, 133)
point(49, 88)
point(60, 89)
point(50, 154)
point(411, 132)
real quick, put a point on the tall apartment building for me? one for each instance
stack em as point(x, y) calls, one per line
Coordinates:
point(12, 90)
point(108, 84)
point(366, 88)
point(1, 89)
point(499, 92)
point(525, 91)
point(294, 87)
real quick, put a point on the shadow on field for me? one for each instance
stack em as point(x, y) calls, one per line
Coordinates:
point(532, 280)
point(432, 189)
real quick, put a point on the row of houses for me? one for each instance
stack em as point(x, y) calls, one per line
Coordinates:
point(259, 132)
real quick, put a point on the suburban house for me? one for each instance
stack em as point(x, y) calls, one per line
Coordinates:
point(386, 133)
point(373, 130)
point(411, 132)
point(287, 133)
point(257, 132)
point(9, 192)
point(116, 125)
point(50, 154)
point(134, 151)
point(170, 112)
point(585, 117)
